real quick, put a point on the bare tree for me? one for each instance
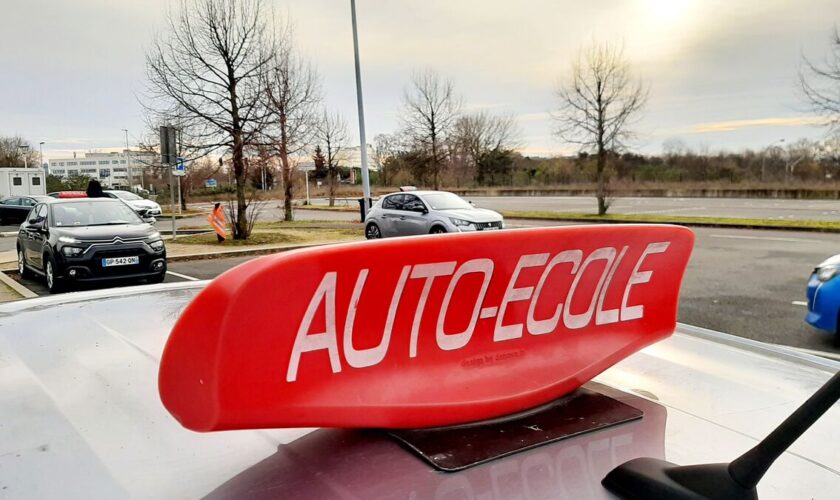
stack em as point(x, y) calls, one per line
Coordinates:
point(332, 133)
point(293, 94)
point(430, 110)
point(480, 134)
point(598, 101)
point(820, 82)
point(206, 72)
point(385, 147)
point(13, 151)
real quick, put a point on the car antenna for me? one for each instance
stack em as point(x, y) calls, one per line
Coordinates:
point(653, 478)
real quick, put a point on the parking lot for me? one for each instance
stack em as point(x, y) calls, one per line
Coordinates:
point(749, 283)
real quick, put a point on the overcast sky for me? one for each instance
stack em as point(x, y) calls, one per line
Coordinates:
point(722, 74)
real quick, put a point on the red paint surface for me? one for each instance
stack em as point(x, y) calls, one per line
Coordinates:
point(226, 364)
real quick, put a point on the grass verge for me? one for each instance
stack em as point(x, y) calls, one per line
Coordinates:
point(285, 236)
point(805, 225)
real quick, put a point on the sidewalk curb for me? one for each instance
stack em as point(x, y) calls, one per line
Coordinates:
point(17, 287)
point(240, 253)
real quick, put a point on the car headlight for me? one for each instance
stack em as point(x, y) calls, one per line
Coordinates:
point(68, 239)
point(71, 251)
point(460, 222)
point(157, 246)
point(826, 273)
point(153, 235)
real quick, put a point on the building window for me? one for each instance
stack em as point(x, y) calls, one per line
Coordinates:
point(115, 162)
point(17, 181)
point(119, 170)
point(72, 163)
point(58, 172)
point(122, 161)
point(36, 181)
point(104, 162)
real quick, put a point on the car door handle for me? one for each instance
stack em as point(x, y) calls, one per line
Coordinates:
point(402, 218)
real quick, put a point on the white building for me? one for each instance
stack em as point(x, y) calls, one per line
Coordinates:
point(112, 170)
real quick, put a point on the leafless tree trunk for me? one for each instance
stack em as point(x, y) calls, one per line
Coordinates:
point(480, 133)
point(207, 68)
point(597, 104)
point(821, 84)
point(293, 94)
point(331, 131)
point(430, 111)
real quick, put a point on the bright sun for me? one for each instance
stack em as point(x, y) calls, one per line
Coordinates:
point(666, 11)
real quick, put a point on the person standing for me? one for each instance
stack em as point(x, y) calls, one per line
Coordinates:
point(94, 189)
point(217, 220)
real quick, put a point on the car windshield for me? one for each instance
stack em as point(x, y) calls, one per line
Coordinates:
point(93, 213)
point(125, 195)
point(446, 201)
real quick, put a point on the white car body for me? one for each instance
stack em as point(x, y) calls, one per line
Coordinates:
point(80, 417)
point(135, 201)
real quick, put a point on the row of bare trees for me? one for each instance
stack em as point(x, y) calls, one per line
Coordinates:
point(228, 75)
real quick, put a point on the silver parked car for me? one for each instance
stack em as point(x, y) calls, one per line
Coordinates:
point(427, 212)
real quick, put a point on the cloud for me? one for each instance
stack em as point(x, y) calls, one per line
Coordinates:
point(733, 125)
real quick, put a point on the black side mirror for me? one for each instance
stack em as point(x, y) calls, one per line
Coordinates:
point(35, 225)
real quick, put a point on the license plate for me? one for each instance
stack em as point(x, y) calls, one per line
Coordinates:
point(120, 261)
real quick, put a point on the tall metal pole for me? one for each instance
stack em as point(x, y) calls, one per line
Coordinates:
point(41, 159)
point(365, 177)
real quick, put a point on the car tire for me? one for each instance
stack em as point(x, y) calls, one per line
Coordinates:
point(157, 279)
point(437, 230)
point(54, 284)
point(22, 269)
point(372, 232)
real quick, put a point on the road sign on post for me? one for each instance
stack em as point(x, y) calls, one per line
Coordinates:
point(180, 168)
point(210, 183)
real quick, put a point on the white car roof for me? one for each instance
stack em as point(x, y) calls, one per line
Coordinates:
point(80, 416)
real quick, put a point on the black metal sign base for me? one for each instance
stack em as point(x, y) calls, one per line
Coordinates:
point(458, 447)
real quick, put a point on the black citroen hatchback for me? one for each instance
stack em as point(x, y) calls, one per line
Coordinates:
point(70, 241)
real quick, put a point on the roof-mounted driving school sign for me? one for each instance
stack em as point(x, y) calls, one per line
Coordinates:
point(423, 331)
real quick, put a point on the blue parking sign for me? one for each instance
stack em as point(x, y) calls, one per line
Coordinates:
point(180, 168)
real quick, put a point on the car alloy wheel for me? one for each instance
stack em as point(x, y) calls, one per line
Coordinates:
point(50, 276)
point(21, 264)
point(54, 284)
point(372, 232)
point(437, 230)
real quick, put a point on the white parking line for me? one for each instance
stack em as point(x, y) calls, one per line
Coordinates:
point(765, 238)
point(799, 303)
point(182, 276)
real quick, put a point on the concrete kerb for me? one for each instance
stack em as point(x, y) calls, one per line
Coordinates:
point(240, 252)
point(17, 287)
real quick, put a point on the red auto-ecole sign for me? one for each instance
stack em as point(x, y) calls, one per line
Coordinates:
point(420, 331)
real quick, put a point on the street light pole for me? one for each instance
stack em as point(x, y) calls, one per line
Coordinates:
point(41, 159)
point(360, 102)
point(25, 149)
